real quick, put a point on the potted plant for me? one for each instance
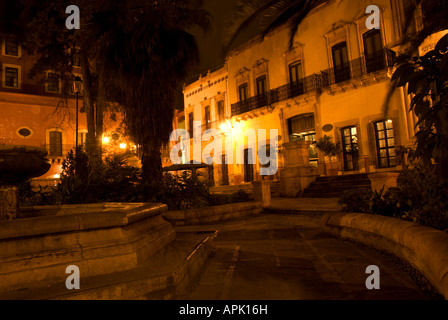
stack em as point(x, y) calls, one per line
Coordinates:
point(329, 149)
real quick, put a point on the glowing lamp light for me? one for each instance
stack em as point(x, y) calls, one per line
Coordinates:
point(226, 126)
point(122, 145)
point(223, 127)
point(106, 140)
point(56, 176)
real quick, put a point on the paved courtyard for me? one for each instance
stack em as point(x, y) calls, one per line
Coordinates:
point(288, 257)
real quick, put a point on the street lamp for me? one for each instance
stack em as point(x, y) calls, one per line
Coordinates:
point(77, 83)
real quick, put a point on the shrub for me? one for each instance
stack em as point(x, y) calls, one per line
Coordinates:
point(424, 196)
point(356, 200)
point(392, 203)
point(82, 182)
point(30, 197)
point(184, 192)
point(421, 197)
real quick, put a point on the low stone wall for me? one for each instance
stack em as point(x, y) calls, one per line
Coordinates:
point(425, 248)
point(213, 213)
point(100, 239)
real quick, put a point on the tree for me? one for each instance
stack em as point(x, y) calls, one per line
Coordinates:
point(271, 14)
point(328, 148)
point(134, 52)
point(426, 78)
point(144, 59)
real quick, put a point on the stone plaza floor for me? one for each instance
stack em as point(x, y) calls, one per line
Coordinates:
point(279, 256)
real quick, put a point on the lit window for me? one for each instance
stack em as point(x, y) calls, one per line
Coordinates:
point(385, 143)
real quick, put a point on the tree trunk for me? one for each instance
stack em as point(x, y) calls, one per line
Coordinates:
point(100, 107)
point(151, 163)
point(88, 100)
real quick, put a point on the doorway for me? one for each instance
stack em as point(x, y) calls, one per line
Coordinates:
point(350, 148)
point(248, 166)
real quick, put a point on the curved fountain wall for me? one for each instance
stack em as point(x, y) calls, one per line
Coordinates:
point(36, 248)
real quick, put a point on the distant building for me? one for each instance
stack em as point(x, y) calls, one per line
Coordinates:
point(32, 111)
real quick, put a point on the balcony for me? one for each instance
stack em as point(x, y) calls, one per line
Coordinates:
point(354, 69)
point(357, 68)
point(306, 85)
point(309, 84)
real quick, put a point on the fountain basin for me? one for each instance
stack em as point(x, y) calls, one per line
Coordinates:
point(19, 163)
point(99, 239)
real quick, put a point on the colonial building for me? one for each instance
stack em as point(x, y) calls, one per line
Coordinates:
point(333, 81)
point(206, 109)
point(33, 112)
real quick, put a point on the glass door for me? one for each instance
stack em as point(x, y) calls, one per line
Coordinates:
point(350, 148)
point(385, 143)
point(340, 62)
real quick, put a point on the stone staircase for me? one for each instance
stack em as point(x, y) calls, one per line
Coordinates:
point(333, 186)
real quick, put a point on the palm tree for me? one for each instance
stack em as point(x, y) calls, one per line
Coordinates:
point(425, 78)
point(270, 14)
point(274, 13)
point(143, 59)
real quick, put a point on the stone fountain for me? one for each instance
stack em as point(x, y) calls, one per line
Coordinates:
point(18, 164)
point(38, 243)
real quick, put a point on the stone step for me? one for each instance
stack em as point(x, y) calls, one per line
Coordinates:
point(334, 186)
point(320, 195)
point(337, 187)
point(165, 274)
point(275, 188)
point(347, 177)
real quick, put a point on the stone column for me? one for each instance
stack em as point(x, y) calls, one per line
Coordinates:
point(297, 173)
point(262, 192)
point(9, 202)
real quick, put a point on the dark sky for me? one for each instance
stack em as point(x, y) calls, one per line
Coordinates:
point(211, 45)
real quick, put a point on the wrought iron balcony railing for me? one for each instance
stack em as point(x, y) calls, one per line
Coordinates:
point(364, 65)
point(356, 68)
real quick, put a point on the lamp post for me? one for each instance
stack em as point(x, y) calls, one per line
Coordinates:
point(77, 83)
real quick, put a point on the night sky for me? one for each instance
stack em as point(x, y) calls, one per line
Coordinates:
point(211, 45)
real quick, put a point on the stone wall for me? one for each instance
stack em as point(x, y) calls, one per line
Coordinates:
point(213, 214)
point(425, 248)
point(99, 239)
